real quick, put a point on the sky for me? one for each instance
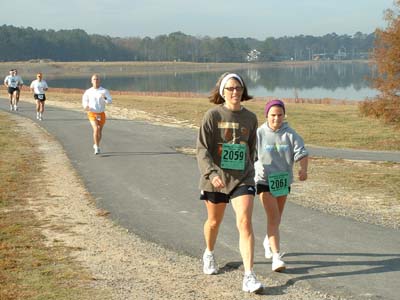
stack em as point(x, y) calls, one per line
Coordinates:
point(257, 19)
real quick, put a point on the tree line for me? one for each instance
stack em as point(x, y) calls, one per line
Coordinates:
point(19, 44)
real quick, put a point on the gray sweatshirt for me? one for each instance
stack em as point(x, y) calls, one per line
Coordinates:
point(277, 151)
point(221, 125)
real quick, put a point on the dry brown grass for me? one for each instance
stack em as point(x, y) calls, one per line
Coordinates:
point(365, 191)
point(29, 269)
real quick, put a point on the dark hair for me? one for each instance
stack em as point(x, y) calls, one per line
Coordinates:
point(216, 98)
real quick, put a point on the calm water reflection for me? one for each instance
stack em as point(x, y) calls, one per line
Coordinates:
point(333, 80)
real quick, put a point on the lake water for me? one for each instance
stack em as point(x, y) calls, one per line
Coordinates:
point(324, 80)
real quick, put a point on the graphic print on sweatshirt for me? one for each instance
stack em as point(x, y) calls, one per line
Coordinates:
point(276, 148)
point(232, 133)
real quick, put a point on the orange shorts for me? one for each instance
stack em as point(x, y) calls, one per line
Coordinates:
point(99, 117)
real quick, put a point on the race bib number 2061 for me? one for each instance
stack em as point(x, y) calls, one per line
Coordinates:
point(279, 184)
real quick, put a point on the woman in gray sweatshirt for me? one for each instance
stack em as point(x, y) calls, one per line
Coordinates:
point(278, 148)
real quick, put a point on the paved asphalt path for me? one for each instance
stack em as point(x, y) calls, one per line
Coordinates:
point(151, 190)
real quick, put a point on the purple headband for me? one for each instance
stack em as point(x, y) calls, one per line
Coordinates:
point(274, 103)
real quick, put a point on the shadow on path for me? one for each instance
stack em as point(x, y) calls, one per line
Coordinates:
point(305, 270)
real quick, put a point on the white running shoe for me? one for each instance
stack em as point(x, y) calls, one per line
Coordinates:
point(15, 108)
point(251, 284)
point(37, 116)
point(96, 149)
point(209, 264)
point(267, 248)
point(11, 107)
point(277, 263)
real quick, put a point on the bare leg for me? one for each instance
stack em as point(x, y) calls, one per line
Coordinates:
point(41, 107)
point(274, 209)
point(17, 93)
point(14, 101)
point(243, 207)
point(37, 106)
point(215, 214)
point(97, 132)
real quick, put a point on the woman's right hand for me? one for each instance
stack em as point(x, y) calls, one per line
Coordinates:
point(217, 182)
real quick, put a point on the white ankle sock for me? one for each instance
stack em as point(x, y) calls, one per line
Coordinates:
point(208, 252)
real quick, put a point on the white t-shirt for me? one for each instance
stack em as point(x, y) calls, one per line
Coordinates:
point(96, 99)
point(13, 81)
point(39, 87)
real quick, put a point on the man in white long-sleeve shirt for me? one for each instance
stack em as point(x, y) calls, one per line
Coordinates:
point(94, 101)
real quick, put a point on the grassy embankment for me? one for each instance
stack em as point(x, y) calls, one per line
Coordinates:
point(28, 268)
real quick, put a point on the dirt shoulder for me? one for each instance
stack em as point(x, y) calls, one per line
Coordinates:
point(122, 264)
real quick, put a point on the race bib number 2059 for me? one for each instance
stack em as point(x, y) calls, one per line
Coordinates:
point(233, 156)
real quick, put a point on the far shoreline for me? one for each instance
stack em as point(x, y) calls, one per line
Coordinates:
point(126, 68)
